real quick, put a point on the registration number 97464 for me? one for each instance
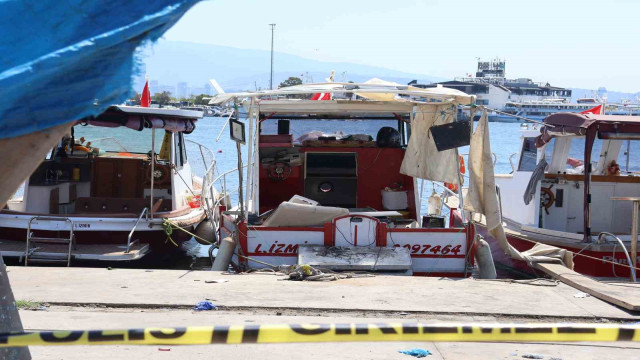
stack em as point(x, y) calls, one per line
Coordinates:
point(428, 249)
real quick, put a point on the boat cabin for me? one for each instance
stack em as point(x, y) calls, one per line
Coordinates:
point(112, 180)
point(326, 174)
point(569, 143)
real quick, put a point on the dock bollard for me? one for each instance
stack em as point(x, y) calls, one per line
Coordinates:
point(225, 253)
point(484, 260)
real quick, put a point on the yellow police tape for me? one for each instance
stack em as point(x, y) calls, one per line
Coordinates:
point(296, 333)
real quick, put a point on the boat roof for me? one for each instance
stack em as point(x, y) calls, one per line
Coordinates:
point(374, 89)
point(158, 112)
point(574, 124)
point(334, 107)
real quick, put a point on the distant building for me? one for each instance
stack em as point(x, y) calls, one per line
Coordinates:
point(153, 87)
point(182, 90)
point(208, 89)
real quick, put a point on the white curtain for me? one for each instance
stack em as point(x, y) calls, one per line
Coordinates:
point(482, 198)
point(422, 159)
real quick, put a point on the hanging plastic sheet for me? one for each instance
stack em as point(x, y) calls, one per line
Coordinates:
point(65, 60)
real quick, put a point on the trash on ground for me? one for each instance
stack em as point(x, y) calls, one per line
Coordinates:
point(533, 356)
point(581, 295)
point(164, 349)
point(419, 353)
point(216, 281)
point(204, 306)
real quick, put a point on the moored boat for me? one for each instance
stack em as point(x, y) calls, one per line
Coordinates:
point(571, 169)
point(109, 191)
point(332, 177)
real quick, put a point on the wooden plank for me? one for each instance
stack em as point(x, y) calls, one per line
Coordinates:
point(624, 296)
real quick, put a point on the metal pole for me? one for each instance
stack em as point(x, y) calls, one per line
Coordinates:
point(634, 238)
point(153, 161)
point(273, 26)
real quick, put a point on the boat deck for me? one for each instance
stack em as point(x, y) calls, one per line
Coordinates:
point(91, 252)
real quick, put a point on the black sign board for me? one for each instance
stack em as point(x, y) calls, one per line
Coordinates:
point(451, 135)
point(237, 131)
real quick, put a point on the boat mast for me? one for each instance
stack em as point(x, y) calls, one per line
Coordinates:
point(273, 26)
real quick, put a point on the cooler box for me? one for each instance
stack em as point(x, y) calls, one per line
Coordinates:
point(394, 200)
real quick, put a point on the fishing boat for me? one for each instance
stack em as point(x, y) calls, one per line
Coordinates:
point(338, 183)
point(570, 188)
point(109, 191)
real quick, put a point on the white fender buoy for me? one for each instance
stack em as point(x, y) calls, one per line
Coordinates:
point(484, 260)
point(205, 231)
point(225, 253)
point(434, 204)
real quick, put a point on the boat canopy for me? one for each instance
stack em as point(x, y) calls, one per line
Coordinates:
point(139, 118)
point(373, 90)
point(573, 124)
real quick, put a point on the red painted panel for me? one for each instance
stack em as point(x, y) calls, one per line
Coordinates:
point(377, 169)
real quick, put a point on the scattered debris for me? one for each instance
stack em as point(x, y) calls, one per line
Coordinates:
point(419, 353)
point(205, 306)
point(216, 281)
point(164, 349)
point(581, 295)
point(533, 356)
point(310, 273)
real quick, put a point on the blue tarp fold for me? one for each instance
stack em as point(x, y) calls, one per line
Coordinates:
point(63, 60)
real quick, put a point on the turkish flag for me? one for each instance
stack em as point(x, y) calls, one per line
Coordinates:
point(321, 96)
point(145, 99)
point(595, 111)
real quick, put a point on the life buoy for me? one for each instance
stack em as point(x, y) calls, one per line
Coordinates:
point(454, 187)
point(81, 148)
point(547, 197)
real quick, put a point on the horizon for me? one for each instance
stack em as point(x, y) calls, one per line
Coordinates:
point(525, 42)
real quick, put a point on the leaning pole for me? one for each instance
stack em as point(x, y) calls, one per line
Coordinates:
point(10, 318)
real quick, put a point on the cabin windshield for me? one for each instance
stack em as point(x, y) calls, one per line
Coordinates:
point(120, 139)
point(302, 129)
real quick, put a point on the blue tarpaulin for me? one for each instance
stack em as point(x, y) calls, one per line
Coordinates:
point(63, 60)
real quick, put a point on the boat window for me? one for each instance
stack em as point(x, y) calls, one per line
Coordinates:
point(575, 161)
point(298, 127)
point(179, 150)
point(634, 157)
point(118, 139)
point(528, 155)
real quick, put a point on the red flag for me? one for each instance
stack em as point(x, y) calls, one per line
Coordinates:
point(595, 111)
point(145, 99)
point(321, 96)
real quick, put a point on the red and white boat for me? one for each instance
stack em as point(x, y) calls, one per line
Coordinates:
point(599, 231)
point(329, 174)
point(106, 192)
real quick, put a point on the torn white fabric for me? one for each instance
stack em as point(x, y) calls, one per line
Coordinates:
point(422, 159)
point(482, 198)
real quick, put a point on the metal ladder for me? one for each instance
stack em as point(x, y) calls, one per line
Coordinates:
point(31, 254)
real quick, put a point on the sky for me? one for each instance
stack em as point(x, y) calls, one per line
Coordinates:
point(582, 44)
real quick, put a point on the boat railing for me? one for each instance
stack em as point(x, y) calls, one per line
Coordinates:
point(222, 180)
point(203, 149)
point(602, 235)
point(513, 167)
point(145, 210)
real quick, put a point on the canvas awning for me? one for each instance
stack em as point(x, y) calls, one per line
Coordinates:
point(437, 94)
point(574, 124)
point(139, 118)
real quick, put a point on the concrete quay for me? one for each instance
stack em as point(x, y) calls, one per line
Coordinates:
point(83, 298)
